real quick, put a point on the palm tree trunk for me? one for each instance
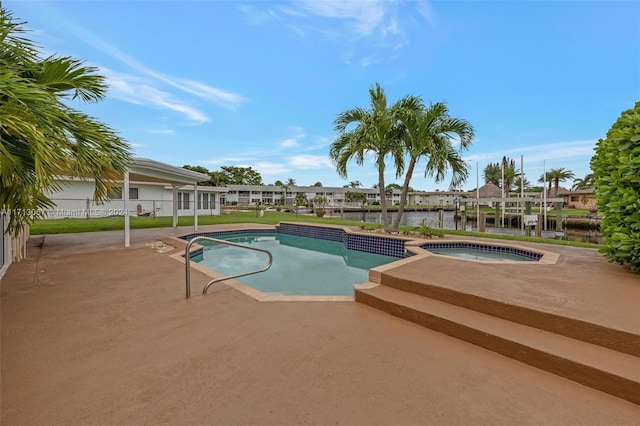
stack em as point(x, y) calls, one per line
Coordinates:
point(403, 195)
point(383, 201)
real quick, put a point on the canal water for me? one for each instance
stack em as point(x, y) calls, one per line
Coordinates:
point(430, 218)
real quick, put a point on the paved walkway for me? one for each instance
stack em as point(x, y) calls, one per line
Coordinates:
point(93, 333)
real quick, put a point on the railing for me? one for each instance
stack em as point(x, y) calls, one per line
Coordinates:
point(187, 262)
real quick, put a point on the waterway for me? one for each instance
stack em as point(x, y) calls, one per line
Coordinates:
point(430, 218)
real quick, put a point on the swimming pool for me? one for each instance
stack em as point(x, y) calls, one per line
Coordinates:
point(301, 265)
point(482, 252)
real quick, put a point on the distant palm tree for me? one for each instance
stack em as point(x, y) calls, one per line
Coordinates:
point(521, 183)
point(556, 176)
point(510, 174)
point(355, 184)
point(285, 188)
point(586, 183)
point(377, 131)
point(428, 134)
point(493, 173)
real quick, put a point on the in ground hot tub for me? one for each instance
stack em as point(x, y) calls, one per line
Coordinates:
point(484, 252)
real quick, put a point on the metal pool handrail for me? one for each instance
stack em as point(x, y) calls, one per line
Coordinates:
point(187, 262)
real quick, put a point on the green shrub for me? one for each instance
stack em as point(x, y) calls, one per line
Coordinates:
point(616, 168)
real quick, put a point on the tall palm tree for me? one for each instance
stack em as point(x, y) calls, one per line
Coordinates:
point(41, 136)
point(556, 176)
point(428, 134)
point(376, 131)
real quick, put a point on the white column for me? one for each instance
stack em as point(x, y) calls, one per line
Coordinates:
point(175, 206)
point(195, 206)
point(125, 197)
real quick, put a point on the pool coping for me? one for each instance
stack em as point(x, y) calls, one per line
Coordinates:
point(412, 245)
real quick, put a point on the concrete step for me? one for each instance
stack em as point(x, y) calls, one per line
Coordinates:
point(597, 334)
point(601, 368)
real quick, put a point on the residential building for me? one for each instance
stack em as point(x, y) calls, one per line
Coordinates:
point(250, 195)
point(579, 199)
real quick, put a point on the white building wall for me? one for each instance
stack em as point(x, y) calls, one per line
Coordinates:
point(75, 200)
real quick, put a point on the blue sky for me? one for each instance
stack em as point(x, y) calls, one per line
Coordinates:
point(259, 83)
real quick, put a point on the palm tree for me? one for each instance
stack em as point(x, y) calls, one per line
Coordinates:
point(556, 176)
point(40, 135)
point(521, 183)
point(377, 131)
point(428, 134)
point(510, 174)
point(586, 183)
point(493, 173)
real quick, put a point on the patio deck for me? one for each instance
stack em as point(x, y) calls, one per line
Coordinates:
point(93, 333)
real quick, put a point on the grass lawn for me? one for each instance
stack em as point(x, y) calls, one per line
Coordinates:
point(63, 226)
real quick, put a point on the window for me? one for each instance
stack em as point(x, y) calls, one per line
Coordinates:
point(203, 201)
point(116, 194)
point(575, 198)
point(183, 201)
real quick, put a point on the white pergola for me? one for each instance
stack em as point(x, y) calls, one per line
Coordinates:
point(145, 170)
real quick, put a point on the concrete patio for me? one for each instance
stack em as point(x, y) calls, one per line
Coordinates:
point(93, 333)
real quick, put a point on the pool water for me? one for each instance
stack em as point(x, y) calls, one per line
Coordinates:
point(301, 265)
point(478, 254)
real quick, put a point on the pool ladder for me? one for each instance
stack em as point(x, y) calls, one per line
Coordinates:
point(187, 262)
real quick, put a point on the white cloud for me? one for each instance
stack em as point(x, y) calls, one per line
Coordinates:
point(135, 90)
point(162, 131)
point(310, 161)
point(365, 15)
point(371, 25)
point(298, 134)
point(156, 79)
point(538, 153)
point(220, 97)
point(424, 8)
point(257, 17)
point(365, 62)
point(270, 168)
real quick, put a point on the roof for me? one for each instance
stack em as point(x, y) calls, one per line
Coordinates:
point(202, 188)
point(147, 170)
point(293, 189)
point(488, 190)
